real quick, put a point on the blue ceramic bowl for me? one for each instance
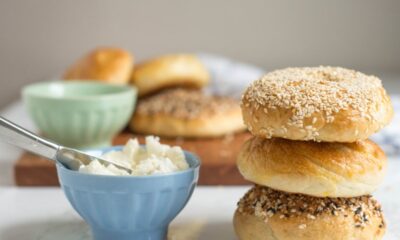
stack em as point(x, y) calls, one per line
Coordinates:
point(129, 207)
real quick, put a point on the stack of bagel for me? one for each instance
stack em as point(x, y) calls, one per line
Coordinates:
point(310, 157)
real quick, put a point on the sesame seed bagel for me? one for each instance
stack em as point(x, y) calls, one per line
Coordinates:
point(266, 214)
point(169, 71)
point(313, 168)
point(187, 113)
point(330, 104)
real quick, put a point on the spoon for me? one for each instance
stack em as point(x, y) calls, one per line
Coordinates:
point(70, 158)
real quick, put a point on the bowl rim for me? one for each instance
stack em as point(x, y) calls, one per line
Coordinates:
point(120, 90)
point(117, 147)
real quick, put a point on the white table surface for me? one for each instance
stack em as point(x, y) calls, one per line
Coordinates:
point(44, 213)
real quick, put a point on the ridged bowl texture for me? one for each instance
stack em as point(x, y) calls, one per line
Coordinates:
point(79, 114)
point(129, 207)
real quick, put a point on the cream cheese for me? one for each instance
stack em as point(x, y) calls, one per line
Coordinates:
point(153, 158)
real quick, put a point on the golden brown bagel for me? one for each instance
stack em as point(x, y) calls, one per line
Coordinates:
point(111, 65)
point(330, 104)
point(312, 168)
point(187, 113)
point(169, 71)
point(265, 214)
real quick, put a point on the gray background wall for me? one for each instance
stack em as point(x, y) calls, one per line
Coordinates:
point(39, 39)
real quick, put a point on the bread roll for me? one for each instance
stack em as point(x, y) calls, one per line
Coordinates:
point(265, 214)
point(329, 104)
point(187, 113)
point(312, 168)
point(169, 71)
point(110, 65)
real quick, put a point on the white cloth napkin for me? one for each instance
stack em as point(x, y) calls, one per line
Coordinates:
point(389, 137)
point(228, 77)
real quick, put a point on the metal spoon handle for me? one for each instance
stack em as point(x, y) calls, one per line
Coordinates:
point(27, 140)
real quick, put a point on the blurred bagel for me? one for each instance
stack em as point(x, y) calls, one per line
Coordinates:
point(180, 70)
point(187, 113)
point(106, 64)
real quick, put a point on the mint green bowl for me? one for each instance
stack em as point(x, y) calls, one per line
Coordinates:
point(80, 114)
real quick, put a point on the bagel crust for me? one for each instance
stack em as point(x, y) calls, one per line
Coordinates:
point(329, 104)
point(187, 113)
point(110, 65)
point(312, 168)
point(266, 214)
point(179, 70)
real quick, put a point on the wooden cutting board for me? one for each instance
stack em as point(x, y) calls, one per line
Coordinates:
point(218, 158)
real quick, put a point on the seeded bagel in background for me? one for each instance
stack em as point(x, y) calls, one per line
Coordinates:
point(267, 214)
point(329, 104)
point(182, 112)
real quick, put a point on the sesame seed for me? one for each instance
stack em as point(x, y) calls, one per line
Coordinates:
point(310, 216)
point(306, 91)
point(266, 202)
point(314, 120)
point(185, 104)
